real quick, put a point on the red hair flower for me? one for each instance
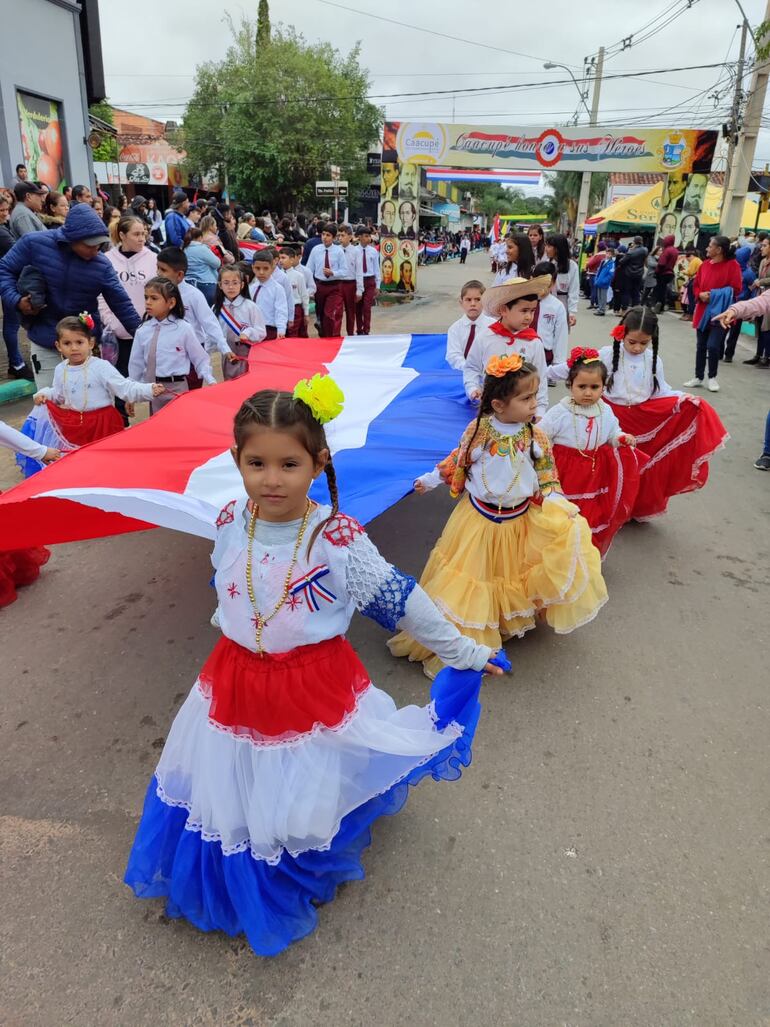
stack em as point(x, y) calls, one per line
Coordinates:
point(582, 353)
point(86, 319)
point(619, 332)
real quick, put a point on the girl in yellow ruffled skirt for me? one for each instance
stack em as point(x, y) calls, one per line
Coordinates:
point(514, 549)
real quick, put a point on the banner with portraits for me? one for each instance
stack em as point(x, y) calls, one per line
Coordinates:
point(681, 208)
point(399, 223)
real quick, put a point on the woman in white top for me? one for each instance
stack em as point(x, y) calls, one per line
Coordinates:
point(567, 274)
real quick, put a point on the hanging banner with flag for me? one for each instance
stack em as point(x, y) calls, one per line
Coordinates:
point(404, 410)
point(579, 148)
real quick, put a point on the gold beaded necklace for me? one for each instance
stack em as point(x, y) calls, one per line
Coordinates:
point(506, 445)
point(65, 390)
point(261, 622)
point(588, 453)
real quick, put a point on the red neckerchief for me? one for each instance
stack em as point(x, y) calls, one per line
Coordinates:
point(526, 334)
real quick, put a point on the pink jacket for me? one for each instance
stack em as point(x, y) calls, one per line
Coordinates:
point(134, 272)
point(748, 309)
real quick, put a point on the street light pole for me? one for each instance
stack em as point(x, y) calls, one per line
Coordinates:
point(585, 185)
point(552, 64)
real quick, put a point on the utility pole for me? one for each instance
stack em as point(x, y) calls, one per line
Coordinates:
point(734, 125)
point(585, 187)
point(739, 179)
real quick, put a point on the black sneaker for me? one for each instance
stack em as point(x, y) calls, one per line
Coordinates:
point(763, 464)
point(22, 372)
point(727, 360)
point(752, 360)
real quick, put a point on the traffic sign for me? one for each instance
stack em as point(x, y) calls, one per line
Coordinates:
point(331, 189)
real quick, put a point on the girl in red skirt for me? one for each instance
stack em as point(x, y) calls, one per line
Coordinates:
point(678, 432)
point(80, 405)
point(22, 566)
point(597, 463)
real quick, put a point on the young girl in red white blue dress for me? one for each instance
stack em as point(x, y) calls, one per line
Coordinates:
point(285, 752)
point(596, 460)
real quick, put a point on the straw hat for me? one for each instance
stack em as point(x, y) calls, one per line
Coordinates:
point(498, 295)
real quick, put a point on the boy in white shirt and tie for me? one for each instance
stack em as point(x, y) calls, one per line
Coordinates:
point(462, 333)
point(289, 258)
point(367, 279)
point(269, 295)
point(328, 266)
point(349, 284)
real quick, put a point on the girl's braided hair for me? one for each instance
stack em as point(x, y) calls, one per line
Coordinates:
point(638, 319)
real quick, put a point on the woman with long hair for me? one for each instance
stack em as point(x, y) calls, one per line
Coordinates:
point(567, 274)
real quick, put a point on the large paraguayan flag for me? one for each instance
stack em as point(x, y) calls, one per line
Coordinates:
point(404, 410)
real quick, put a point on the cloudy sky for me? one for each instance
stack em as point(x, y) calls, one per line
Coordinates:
point(479, 63)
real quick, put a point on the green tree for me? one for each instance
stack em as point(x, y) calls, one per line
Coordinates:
point(276, 125)
point(565, 194)
point(263, 24)
point(107, 150)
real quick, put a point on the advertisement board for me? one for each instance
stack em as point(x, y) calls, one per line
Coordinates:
point(42, 140)
point(579, 148)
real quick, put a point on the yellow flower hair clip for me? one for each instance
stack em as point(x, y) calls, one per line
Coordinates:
point(499, 367)
point(323, 395)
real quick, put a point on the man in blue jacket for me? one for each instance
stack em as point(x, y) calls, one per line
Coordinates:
point(75, 274)
point(176, 221)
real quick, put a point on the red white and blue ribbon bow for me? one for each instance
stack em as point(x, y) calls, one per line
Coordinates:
point(309, 586)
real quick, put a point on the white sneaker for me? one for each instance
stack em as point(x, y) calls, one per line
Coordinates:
point(694, 383)
point(713, 385)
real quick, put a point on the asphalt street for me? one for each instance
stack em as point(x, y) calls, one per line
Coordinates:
point(602, 863)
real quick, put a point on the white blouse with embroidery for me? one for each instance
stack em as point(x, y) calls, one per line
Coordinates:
point(581, 427)
point(92, 386)
point(632, 382)
point(342, 572)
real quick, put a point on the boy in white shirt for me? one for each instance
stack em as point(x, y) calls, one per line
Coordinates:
point(551, 319)
point(367, 279)
point(513, 305)
point(462, 333)
point(351, 294)
point(328, 267)
point(289, 258)
point(269, 295)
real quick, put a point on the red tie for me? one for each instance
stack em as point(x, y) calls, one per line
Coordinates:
point(365, 268)
point(327, 265)
point(469, 343)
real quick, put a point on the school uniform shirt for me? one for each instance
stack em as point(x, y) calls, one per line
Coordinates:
point(632, 383)
point(505, 272)
point(372, 270)
point(178, 349)
point(582, 427)
point(271, 300)
point(553, 327)
point(568, 288)
point(488, 344)
point(457, 336)
point(280, 276)
point(317, 261)
point(349, 256)
point(93, 386)
point(309, 280)
point(200, 317)
point(246, 313)
point(298, 289)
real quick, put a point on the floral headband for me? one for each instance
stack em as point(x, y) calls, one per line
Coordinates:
point(588, 356)
point(323, 395)
point(619, 332)
point(499, 367)
point(86, 319)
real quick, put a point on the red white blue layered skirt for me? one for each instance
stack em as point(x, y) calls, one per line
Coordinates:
point(273, 772)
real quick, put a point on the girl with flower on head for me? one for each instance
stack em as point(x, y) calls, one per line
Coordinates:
point(79, 407)
point(678, 432)
point(514, 547)
point(285, 753)
point(597, 463)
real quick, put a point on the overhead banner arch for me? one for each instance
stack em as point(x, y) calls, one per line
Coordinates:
point(686, 155)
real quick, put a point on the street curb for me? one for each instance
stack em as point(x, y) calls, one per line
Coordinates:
point(11, 391)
